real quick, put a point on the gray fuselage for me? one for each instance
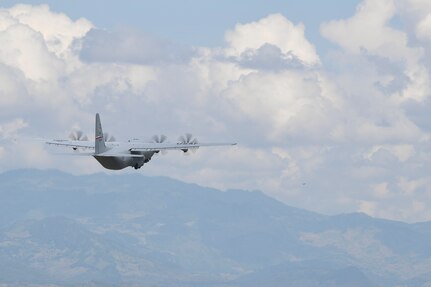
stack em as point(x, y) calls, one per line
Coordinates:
point(119, 162)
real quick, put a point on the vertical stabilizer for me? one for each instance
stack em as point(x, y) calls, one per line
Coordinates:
point(99, 144)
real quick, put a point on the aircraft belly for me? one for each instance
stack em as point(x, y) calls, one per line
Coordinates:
point(114, 163)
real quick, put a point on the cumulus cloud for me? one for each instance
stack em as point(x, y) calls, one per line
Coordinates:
point(342, 132)
point(369, 31)
point(283, 106)
point(57, 29)
point(35, 40)
point(423, 30)
point(372, 17)
point(416, 13)
point(275, 30)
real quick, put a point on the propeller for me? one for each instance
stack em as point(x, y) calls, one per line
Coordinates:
point(189, 140)
point(108, 138)
point(78, 136)
point(159, 139)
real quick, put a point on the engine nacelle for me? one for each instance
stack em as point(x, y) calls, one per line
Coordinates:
point(138, 164)
point(146, 157)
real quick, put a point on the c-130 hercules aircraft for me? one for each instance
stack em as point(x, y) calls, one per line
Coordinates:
point(118, 155)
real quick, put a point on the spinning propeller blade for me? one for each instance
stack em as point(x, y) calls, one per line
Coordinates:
point(108, 138)
point(189, 140)
point(160, 139)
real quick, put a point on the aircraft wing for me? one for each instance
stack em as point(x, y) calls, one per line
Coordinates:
point(73, 144)
point(134, 147)
point(110, 153)
point(171, 146)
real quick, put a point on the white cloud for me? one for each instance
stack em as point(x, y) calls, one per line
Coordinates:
point(284, 105)
point(275, 30)
point(368, 31)
point(57, 29)
point(416, 14)
point(25, 49)
point(10, 129)
point(32, 43)
point(423, 30)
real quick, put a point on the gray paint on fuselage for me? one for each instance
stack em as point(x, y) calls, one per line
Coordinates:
point(119, 162)
point(113, 162)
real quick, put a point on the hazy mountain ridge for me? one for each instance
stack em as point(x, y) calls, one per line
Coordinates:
point(125, 230)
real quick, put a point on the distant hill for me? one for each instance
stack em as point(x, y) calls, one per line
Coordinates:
point(58, 229)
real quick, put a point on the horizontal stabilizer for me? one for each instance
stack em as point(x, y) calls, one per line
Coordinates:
point(74, 153)
point(73, 144)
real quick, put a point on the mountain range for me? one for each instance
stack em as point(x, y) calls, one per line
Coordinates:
point(57, 229)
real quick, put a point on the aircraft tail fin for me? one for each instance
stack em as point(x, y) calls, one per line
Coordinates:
point(99, 144)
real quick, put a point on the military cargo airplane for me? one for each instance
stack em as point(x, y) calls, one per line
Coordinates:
point(115, 155)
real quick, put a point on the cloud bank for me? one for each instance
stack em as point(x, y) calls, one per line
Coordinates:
point(340, 132)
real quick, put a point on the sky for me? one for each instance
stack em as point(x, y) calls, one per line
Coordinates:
point(196, 22)
point(329, 102)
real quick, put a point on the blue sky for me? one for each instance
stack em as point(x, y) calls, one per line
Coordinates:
point(199, 22)
point(333, 94)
